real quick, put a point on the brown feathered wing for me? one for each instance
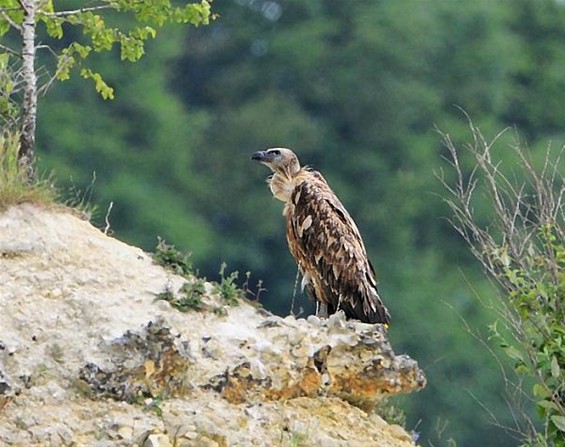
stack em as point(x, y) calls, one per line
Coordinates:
point(331, 256)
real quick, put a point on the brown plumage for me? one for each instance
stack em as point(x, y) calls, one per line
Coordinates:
point(324, 240)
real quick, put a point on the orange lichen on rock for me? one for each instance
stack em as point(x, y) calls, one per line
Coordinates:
point(307, 384)
point(357, 365)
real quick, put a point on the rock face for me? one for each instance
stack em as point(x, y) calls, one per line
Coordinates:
point(88, 356)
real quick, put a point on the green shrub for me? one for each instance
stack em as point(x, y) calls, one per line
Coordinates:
point(521, 245)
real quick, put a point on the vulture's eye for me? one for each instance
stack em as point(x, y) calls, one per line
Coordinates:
point(275, 152)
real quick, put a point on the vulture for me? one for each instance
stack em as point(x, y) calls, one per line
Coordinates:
point(324, 240)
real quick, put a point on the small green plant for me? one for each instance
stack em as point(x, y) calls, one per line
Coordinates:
point(294, 436)
point(297, 439)
point(220, 311)
point(227, 287)
point(253, 296)
point(153, 405)
point(168, 256)
point(15, 184)
point(189, 297)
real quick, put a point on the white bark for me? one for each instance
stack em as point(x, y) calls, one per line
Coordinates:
point(29, 78)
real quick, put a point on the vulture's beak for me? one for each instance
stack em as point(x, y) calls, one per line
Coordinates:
point(261, 156)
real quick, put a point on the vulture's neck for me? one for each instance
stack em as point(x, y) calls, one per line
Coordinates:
point(283, 182)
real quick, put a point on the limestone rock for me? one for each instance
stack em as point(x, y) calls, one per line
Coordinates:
point(157, 441)
point(89, 357)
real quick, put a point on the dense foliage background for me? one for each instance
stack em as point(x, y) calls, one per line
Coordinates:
point(356, 88)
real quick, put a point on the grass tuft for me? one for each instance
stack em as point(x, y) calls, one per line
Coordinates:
point(15, 185)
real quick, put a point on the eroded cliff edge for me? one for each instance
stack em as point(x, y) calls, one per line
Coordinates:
point(88, 356)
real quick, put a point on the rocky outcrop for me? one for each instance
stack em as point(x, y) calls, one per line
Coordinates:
point(89, 356)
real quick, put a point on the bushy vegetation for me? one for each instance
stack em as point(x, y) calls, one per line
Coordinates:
point(521, 246)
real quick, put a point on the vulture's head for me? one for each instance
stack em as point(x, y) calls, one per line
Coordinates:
point(278, 160)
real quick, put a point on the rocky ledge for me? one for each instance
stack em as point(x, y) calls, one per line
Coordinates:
point(89, 356)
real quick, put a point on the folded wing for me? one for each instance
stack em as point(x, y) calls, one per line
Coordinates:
point(330, 253)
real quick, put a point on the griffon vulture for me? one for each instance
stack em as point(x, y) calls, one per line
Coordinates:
point(324, 240)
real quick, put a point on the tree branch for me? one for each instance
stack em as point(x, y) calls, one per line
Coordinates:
point(7, 18)
point(43, 89)
point(77, 11)
point(23, 5)
point(9, 50)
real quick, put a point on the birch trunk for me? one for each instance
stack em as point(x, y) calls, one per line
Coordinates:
point(29, 78)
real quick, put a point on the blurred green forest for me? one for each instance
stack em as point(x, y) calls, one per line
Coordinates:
point(357, 89)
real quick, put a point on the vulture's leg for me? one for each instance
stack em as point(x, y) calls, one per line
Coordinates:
point(321, 310)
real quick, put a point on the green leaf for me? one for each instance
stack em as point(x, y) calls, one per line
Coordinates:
point(53, 24)
point(4, 27)
point(65, 62)
point(131, 49)
point(555, 370)
point(559, 422)
point(548, 405)
point(14, 12)
point(104, 89)
point(54, 28)
point(195, 14)
point(82, 50)
point(513, 353)
point(540, 391)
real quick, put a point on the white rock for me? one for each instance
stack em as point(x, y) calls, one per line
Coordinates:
point(158, 440)
point(79, 292)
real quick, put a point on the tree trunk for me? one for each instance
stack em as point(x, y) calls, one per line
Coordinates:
point(29, 106)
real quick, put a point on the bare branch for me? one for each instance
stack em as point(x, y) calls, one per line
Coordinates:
point(9, 50)
point(51, 77)
point(78, 11)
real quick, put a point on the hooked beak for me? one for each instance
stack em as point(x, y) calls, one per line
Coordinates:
point(261, 156)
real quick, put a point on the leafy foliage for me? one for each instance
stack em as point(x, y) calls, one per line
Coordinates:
point(522, 248)
point(94, 19)
point(95, 22)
